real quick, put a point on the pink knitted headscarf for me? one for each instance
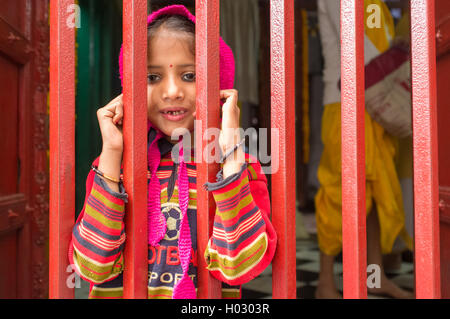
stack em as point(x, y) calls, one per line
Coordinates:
point(184, 289)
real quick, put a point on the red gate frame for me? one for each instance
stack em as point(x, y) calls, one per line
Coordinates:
point(135, 278)
point(208, 112)
point(425, 150)
point(353, 149)
point(62, 147)
point(284, 283)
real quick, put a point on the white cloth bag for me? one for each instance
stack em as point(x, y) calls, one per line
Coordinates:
point(388, 91)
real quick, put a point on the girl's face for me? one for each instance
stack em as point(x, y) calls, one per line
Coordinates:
point(171, 82)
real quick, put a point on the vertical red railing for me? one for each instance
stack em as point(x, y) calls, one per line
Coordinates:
point(208, 112)
point(135, 147)
point(353, 149)
point(62, 146)
point(425, 149)
point(283, 119)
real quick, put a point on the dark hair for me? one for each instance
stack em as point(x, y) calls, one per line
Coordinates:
point(176, 23)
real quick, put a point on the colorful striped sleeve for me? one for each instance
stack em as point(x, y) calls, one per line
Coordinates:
point(243, 241)
point(99, 235)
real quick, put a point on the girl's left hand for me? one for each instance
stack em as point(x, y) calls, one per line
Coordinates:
point(230, 132)
point(229, 135)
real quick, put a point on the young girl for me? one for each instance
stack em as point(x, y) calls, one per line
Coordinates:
point(243, 241)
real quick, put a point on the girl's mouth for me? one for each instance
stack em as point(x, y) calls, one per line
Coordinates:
point(174, 115)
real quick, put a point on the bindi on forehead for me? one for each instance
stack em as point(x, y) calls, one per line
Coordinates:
point(180, 66)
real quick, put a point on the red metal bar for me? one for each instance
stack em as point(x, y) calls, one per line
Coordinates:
point(135, 147)
point(208, 112)
point(62, 146)
point(353, 149)
point(283, 120)
point(425, 150)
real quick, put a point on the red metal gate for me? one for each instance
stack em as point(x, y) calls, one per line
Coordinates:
point(443, 78)
point(283, 116)
point(425, 151)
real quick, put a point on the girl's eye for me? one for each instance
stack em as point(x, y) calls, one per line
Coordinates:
point(152, 78)
point(190, 77)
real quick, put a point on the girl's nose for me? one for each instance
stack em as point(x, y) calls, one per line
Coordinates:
point(172, 90)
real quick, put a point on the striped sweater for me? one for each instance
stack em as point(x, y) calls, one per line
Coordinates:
point(241, 247)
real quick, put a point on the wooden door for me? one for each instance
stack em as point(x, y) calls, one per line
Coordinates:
point(443, 104)
point(23, 146)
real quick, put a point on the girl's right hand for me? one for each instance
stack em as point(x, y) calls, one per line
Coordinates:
point(110, 119)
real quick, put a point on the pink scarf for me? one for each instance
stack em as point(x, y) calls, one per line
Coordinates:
point(185, 288)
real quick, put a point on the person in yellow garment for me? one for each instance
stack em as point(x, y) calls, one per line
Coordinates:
point(384, 206)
